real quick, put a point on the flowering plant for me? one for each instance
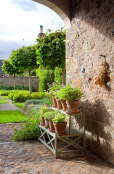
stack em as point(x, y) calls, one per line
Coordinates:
point(53, 88)
point(70, 94)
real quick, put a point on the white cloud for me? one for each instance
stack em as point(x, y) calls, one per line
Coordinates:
point(22, 19)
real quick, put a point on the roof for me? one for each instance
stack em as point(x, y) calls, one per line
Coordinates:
point(1, 63)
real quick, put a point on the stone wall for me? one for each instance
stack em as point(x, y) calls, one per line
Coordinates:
point(90, 45)
point(9, 80)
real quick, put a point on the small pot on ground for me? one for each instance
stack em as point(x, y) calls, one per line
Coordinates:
point(54, 102)
point(59, 106)
point(64, 105)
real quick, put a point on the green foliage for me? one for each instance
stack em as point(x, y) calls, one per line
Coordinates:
point(7, 92)
point(59, 118)
point(43, 110)
point(51, 114)
point(70, 94)
point(32, 101)
point(58, 75)
point(28, 130)
point(38, 95)
point(45, 76)
point(25, 59)
point(9, 68)
point(54, 87)
point(51, 49)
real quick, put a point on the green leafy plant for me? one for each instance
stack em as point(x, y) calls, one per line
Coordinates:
point(70, 94)
point(59, 118)
point(51, 50)
point(53, 88)
point(29, 129)
point(43, 110)
point(50, 114)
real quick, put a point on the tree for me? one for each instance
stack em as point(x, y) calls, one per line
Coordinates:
point(8, 68)
point(51, 51)
point(25, 59)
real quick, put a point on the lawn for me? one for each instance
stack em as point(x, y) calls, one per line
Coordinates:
point(12, 117)
point(5, 97)
point(3, 101)
point(19, 105)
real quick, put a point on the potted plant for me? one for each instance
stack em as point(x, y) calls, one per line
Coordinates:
point(52, 88)
point(48, 119)
point(72, 96)
point(59, 106)
point(42, 111)
point(60, 97)
point(60, 123)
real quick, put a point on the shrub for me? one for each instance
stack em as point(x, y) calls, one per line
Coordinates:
point(29, 129)
point(11, 95)
point(58, 75)
point(38, 95)
point(45, 76)
point(17, 87)
point(21, 97)
point(32, 101)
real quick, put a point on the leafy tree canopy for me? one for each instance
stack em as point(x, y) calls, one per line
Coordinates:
point(25, 58)
point(51, 49)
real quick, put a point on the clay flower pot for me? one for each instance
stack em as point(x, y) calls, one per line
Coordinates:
point(54, 102)
point(59, 106)
point(51, 126)
point(46, 123)
point(43, 121)
point(72, 107)
point(64, 105)
point(60, 128)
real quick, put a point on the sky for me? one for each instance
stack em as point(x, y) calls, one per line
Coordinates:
point(20, 22)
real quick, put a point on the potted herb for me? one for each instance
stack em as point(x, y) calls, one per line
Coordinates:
point(56, 95)
point(52, 89)
point(60, 123)
point(63, 102)
point(42, 111)
point(48, 119)
point(72, 96)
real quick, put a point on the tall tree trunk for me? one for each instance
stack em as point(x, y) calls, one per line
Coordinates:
point(14, 81)
point(63, 76)
point(30, 83)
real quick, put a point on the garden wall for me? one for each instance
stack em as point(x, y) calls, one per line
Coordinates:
point(89, 53)
point(9, 80)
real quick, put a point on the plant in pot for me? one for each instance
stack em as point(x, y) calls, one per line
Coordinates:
point(62, 100)
point(60, 123)
point(48, 119)
point(52, 88)
point(72, 96)
point(59, 106)
point(42, 111)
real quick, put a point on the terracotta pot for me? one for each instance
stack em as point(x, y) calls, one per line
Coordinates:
point(46, 123)
point(60, 128)
point(64, 105)
point(54, 102)
point(59, 106)
point(72, 107)
point(43, 121)
point(51, 126)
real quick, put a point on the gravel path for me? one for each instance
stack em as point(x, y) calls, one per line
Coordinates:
point(8, 106)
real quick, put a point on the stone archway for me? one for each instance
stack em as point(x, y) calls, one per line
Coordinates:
point(62, 8)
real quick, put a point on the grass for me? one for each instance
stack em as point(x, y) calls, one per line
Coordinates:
point(5, 97)
point(19, 105)
point(3, 101)
point(12, 117)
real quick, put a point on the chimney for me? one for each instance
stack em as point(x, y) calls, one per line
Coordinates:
point(41, 28)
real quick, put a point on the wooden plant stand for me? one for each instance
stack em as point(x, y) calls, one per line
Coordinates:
point(71, 138)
